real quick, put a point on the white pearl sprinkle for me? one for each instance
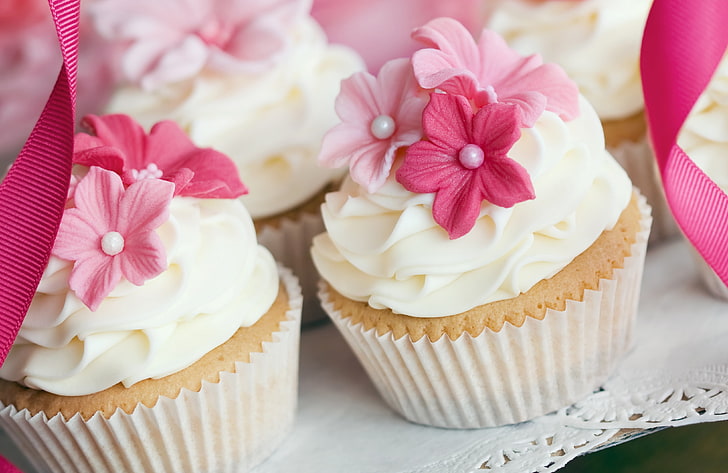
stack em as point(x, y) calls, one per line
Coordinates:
point(112, 243)
point(471, 156)
point(382, 127)
point(150, 172)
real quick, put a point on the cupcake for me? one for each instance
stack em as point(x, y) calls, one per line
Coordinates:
point(597, 42)
point(704, 139)
point(483, 257)
point(162, 337)
point(257, 81)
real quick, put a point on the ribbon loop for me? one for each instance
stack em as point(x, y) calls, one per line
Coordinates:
point(683, 44)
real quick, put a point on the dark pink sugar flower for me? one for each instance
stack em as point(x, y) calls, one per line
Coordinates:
point(120, 144)
point(490, 72)
point(378, 116)
point(465, 161)
point(110, 233)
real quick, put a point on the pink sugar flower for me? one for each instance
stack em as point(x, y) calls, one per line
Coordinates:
point(465, 161)
point(121, 145)
point(489, 72)
point(110, 233)
point(172, 40)
point(379, 115)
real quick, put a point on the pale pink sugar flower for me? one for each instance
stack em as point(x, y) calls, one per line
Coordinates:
point(172, 40)
point(110, 233)
point(379, 115)
point(489, 72)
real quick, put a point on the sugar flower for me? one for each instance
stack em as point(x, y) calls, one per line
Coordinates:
point(171, 40)
point(379, 115)
point(465, 161)
point(110, 233)
point(120, 144)
point(490, 72)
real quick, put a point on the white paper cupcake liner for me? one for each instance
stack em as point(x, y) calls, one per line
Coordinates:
point(290, 243)
point(638, 160)
point(229, 426)
point(509, 376)
point(708, 277)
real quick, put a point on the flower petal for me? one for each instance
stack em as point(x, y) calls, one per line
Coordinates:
point(530, 104)
point(457, 205)
point(341, 142)
point(504, 182)
point(96, 198)
point(426, 168)
point(371, 164)
point(144, 206)
point(93, 278)
point(453, 62)
point(178, 63)
point(395, 81)
point(513, 75)
point(121, 132)
point(166, 144)
point(496, 128)
point(143, 257)
point(106, 157)
point(214, 176)
point(77, 235)
point(447, 121)
point(357, 102)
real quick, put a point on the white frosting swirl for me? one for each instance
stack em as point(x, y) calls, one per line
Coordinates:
point(597, 43)
point(386, 249)
point(271, 124)
point(703, 136)
point(218, 280)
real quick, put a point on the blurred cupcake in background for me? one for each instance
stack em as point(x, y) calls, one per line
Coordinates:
point(597, 42)
point(254, 79)
point(30, 61)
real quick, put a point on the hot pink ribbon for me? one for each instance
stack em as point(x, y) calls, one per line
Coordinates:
point(33, 194)
point(682, 45)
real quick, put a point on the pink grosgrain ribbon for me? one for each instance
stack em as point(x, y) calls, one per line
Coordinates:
point(33, 194)
point(682, 45)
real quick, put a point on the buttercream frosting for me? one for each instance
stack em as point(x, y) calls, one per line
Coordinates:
point(218, 279)
point(270, 123)
point(385, 248)
point(703, 136)
point(597, 42)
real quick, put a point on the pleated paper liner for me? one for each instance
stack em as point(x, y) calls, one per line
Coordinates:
point(509, 376)
point(229, 426)
point(290, 243)
point(638, 160)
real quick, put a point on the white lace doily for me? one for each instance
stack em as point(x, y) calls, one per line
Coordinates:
point(677, 374)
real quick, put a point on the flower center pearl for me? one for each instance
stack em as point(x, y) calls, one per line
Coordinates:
point(382, 127)
point(112, 243)
point(471, 156)
point(491, 94)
